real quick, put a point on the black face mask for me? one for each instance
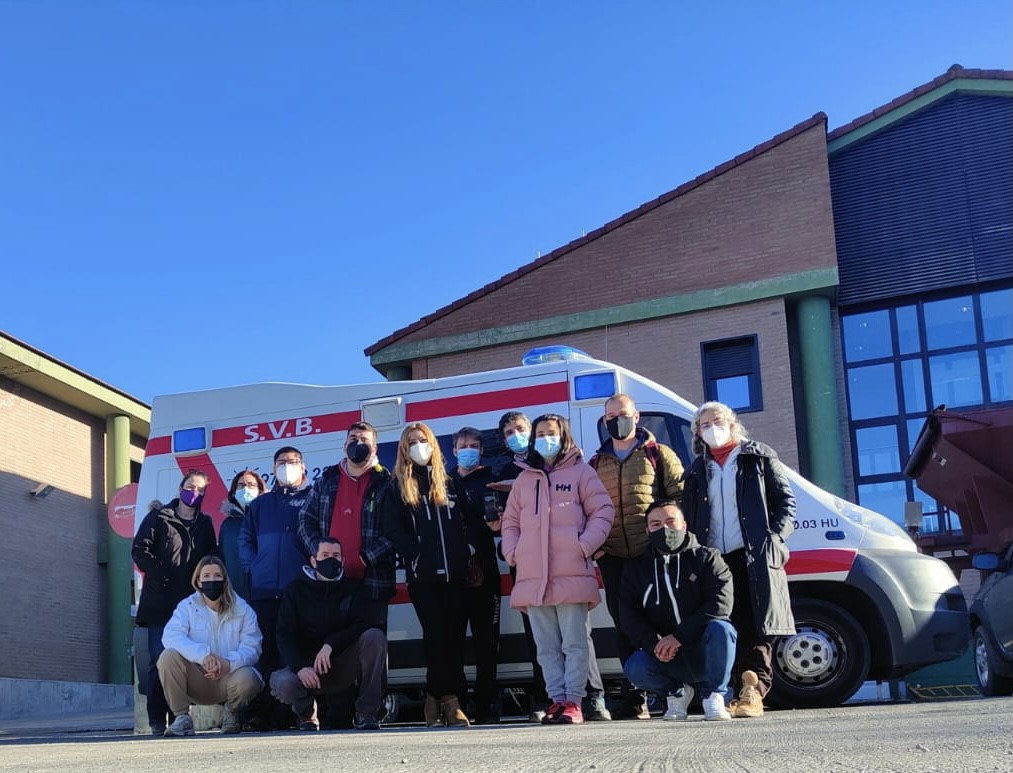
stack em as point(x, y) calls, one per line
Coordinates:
point(666, 540)
point(357, 452)
point(329, 568)
point(621, 427)
point(213, 589)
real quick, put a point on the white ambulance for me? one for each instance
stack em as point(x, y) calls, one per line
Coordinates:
point(866, 603)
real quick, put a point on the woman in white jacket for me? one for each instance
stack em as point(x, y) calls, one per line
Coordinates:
point(212, 644)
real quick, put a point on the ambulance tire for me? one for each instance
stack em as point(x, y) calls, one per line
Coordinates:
point(824, 663)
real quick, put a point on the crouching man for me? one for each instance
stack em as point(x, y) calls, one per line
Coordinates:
point(212, 643)
point(325, 643)
point(675, 601)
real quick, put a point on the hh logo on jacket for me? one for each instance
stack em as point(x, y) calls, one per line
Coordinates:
point(564, 486)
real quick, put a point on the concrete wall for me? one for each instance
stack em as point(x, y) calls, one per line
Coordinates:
point(21, 698)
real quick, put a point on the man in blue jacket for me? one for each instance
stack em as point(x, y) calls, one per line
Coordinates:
point(674, 604)
point(272, 554)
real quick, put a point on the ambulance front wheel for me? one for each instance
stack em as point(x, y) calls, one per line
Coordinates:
point(825, 662)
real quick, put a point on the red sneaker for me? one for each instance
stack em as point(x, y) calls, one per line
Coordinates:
point(570, 715)
point(552, 714)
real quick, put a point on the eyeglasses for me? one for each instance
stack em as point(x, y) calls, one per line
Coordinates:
point(287, 461)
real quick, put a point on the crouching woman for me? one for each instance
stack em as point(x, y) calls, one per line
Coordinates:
point(211, 645)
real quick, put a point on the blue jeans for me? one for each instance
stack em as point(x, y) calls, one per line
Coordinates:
point(705, 664)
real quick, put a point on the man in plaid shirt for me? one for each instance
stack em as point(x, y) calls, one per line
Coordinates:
point(343, 504)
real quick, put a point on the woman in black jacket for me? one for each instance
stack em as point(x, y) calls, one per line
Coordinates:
point(170, 542)
point(736, 498)
point(423, 520)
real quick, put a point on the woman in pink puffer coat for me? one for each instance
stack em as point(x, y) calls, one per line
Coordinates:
point(557, 515)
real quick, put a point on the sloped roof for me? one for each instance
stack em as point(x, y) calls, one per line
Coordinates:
point(24, 364)
point(956, 72)
point(643, 209)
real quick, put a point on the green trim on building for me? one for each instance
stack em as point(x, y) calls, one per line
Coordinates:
point(823, 279)
point(36, 370)
point(819, 386)
point(1003, 88)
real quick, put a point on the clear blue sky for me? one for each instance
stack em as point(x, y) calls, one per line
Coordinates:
point(198, 194)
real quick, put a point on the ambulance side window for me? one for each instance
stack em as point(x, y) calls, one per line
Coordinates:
point(672, 431)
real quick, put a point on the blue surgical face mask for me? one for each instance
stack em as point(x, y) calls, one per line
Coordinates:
point(547, 446)
point(518, 442)
point(468, 457)
point(245, 495)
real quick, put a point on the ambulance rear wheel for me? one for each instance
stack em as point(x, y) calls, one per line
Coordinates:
point(825, 662)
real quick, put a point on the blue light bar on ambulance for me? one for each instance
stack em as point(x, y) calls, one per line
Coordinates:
point(194, 439)
point(542, 354)
point(589, 386)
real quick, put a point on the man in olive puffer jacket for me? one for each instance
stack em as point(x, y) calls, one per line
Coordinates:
point(636, 470)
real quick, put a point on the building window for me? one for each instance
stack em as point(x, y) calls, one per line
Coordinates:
point(731, 373)
point(902, 362)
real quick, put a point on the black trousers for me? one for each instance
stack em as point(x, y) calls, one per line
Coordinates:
point(611, 568)
point(482, 608)
point(753, 651)
point(440, 608)
point(265, 705)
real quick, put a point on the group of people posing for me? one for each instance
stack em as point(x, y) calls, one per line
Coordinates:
point(287, 609)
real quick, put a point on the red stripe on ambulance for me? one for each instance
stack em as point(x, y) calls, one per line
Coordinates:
point(483, 402)
point(158, 445)
point(820, 561)
point(283, 429)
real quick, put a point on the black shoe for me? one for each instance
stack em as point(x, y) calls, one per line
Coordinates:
point(487, 715)
point(634, 706)
point(365, 722)
point(308, 725)
point(158, 730)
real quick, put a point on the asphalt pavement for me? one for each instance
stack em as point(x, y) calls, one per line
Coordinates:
point(961, 735)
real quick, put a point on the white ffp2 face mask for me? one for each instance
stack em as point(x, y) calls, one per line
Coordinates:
point(288, 474)
point(716, 436)
point(421, 453)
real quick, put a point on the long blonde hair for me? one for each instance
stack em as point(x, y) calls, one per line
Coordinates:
point(404, 469)
point(228, 598)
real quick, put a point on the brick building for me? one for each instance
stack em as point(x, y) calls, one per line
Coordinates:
point(67, 441)
point(734, 286)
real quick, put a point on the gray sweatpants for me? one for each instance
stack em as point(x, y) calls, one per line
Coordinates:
point(560, 633)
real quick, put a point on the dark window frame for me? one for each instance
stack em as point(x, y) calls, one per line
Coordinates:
point(710, 377)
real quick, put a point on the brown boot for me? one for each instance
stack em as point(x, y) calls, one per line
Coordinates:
point(452, 714)
point(750, 702)
point(432, 712)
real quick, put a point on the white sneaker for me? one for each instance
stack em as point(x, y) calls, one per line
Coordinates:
point(678, 705)
point(714, 707)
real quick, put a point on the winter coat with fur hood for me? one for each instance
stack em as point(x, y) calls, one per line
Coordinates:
point(554, 522)
point(167, 549)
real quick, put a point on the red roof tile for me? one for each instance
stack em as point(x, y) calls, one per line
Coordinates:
point(956, 71)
